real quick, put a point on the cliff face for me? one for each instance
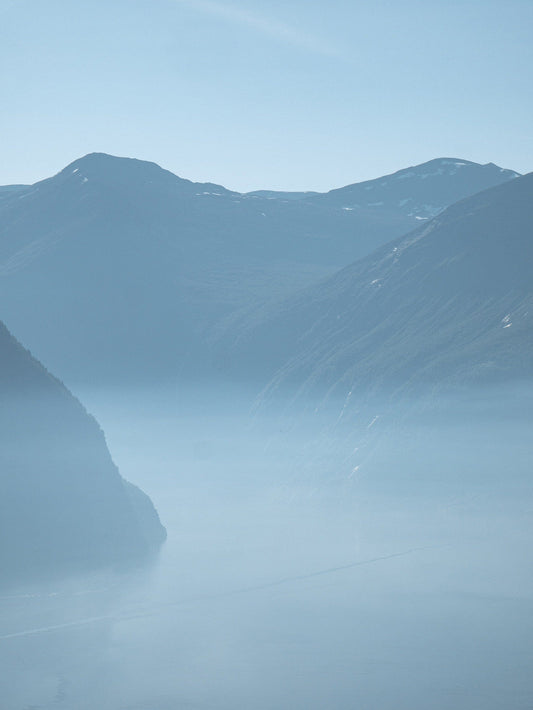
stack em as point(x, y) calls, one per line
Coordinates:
point(63, 503)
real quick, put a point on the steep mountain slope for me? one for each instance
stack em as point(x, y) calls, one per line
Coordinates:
point(63, 504)
point(449, 303)
point(115, 268)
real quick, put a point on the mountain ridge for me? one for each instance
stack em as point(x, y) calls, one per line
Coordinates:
point(448, 302)
point(443, 165)
point(63, 504)
point(136, 268)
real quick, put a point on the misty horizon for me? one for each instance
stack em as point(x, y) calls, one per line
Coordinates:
point(266, 355)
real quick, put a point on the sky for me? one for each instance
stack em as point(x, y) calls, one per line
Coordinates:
point(288, 94)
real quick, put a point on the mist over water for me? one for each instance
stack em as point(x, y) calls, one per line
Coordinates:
point(263, 439)
point(381, 562)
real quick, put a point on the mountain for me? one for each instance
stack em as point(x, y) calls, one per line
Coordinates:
point(117, 269)
point(422, 191)
point(450, 303)
point(416, 193)
point(8, 191)
point(63, 504)
point(279, 195)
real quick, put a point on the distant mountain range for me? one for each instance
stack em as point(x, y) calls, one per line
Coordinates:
point(63, 504)
point(117, 269)
point(417, 193)
point(448, 304)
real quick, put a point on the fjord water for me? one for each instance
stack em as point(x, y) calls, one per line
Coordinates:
point(379, 563)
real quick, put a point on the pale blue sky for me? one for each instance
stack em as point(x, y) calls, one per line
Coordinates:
point(299, 94)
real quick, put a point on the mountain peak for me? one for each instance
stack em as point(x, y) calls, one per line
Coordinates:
point(120, 173)
point(422, 191)
point(117, 169)
point(446, 160)
point(446, 166)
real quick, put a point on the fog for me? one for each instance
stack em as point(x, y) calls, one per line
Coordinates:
point(374, 558)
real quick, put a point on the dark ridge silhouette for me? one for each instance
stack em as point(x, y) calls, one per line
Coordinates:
point(63, 503)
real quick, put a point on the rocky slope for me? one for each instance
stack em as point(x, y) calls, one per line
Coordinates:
point(450, 303)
